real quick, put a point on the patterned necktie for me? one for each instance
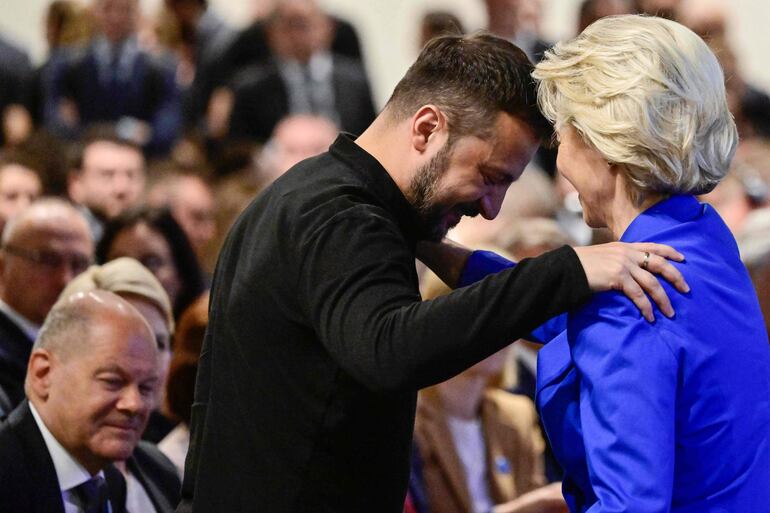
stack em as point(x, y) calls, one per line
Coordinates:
point(93, 495)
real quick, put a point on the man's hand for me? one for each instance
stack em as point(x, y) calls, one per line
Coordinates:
point(629, 268)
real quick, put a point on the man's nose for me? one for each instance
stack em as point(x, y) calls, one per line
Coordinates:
point(132, 401)
point(490, 203)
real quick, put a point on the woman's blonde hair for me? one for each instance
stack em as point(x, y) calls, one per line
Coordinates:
point(649, 95)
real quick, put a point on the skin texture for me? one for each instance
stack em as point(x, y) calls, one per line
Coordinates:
point(112, 179)
point(148, 246)
point(470, 176)
point(19, 187)
point(113, 375)
point(55, 230)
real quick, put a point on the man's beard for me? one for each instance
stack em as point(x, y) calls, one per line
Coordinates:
point(422, 193)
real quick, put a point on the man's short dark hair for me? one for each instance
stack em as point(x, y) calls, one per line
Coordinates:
point(471, 79)
point(100, 132)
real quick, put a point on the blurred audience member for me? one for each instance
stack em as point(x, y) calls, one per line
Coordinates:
point(181, 379)
point(15, 71)
point(151, 481)
point(210, 37)
point(20, 185)
point(107, 177)
point(439, 23)
point(480, 447)
point(90, 386)
point(251, 45)
point(707, 18)
point(156, 240)
point(191, 201)
point(749, 105)
point(295, 138)
point(66, 25)
point(663, 8)
point(592, 10)
point(303, 76)
point(745, 188)
point(43, 248)
point(114, 80)
point(754, 244)
point(518, 21)
point(528, 238)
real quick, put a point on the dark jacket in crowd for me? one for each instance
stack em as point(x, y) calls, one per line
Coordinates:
point(15, 348)
point(262, 99)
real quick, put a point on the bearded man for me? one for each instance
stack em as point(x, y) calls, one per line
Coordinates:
point(318, 340)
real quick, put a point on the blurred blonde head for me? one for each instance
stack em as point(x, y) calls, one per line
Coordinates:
point(649, 95)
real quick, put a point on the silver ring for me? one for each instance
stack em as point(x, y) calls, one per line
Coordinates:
point(646, 260)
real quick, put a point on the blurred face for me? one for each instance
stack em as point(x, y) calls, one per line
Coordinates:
point(299, 31)
point(587, 170)
point(157, 321)
point(471, 177)
point(40, 259)
point(149, 247)
point(97, 406)
point(296, 139)
point(193, 208)
point(116, 19)
point(19, 187)
point(112, 179)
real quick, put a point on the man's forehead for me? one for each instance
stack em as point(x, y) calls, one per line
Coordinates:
point(50, 231)
point(100, 152)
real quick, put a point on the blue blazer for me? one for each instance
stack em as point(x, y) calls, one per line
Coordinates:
point(666, 417)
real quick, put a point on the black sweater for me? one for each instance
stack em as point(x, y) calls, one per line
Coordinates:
point(318, 342)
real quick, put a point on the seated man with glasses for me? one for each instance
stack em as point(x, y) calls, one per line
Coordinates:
point(41, 250)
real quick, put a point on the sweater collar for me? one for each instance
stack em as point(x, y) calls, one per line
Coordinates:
point(380, 183)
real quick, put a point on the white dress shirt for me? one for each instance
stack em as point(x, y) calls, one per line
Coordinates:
point(69, 472)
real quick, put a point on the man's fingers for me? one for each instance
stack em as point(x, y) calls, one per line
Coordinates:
point(654, 289)
point(661, 266)
point(659, 249)
point(634, 291)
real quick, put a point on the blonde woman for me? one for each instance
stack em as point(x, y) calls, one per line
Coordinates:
point(670, 416)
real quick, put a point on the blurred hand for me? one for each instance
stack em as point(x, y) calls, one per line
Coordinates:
point(547, 499)
point(620, 266)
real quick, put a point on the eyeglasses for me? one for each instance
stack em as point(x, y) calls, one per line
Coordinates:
point(77, 263)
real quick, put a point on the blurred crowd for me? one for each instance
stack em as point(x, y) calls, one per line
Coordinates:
point(128, 153)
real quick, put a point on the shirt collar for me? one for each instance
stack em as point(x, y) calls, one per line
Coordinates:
point(382, 185)
point(69, 472)
point(676, 209)
point(29, 328)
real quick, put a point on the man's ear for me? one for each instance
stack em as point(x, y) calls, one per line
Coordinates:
point(429, 126)
point(38, 382)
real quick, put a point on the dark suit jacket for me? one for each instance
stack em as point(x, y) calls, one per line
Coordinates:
point(149, 94)
point(15, 348)
point(28, 481)
point(157, 475)
point(250, 46)
point(261, 99)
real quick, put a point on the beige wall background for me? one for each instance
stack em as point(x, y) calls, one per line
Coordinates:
point(388, 29)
